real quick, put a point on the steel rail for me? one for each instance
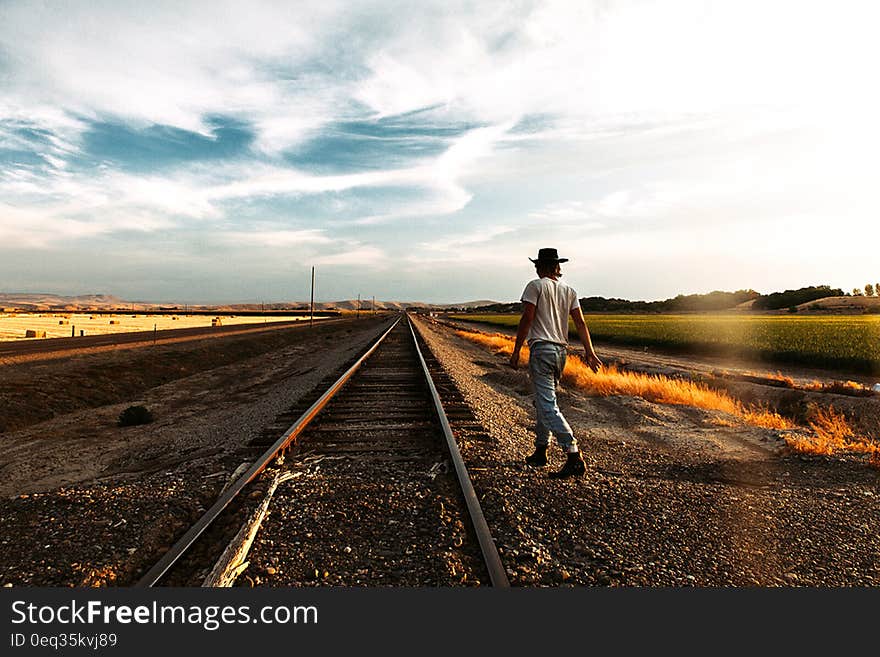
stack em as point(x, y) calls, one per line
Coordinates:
point(497, 574)
point(180, 547)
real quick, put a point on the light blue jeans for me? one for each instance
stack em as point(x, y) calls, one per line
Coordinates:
point(546, 362)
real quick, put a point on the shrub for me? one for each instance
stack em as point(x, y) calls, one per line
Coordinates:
point(789, 298)
point(134, 415)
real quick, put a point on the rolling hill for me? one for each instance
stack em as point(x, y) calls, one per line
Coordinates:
point(35, 302)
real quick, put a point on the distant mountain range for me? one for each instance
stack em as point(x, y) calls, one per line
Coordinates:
point(45, 302)
point(39, 301)
point(819, 299)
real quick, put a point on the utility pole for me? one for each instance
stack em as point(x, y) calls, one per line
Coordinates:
point(359, 307)
point(312, 302)
point(374, 305)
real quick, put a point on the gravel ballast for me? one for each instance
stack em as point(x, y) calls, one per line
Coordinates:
point(669, 499)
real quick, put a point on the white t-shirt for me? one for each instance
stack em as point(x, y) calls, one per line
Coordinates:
point(553, 300)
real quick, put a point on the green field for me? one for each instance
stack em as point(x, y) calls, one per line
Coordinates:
point(850, 343)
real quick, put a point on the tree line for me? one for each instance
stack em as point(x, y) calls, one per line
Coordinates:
point(870, 290)
point(716, 300)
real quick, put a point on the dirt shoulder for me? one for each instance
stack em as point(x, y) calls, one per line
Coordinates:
point(86, 502)
point(750, 382)
point(673, 495)
point(657, 361)
point(36, 389)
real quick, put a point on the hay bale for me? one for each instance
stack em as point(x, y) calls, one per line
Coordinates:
point(62, 322)
point(31, 333)
point(114, 321)
point(216, 322)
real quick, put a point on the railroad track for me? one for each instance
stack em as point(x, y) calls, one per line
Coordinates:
point(365, 486)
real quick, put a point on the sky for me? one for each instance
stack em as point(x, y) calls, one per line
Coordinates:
point(216, 151)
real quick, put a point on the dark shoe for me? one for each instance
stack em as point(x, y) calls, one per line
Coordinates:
point(574, 467)
point(539, 458)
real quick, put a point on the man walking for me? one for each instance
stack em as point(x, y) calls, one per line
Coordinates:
point(547, 305)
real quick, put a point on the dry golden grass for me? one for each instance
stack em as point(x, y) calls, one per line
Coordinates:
point(609, 380)
point(782, 378)
point(499, 342)
point(13, 326)
point(850, 388)
point(832, 432)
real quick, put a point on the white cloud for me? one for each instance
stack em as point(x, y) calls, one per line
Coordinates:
point(583, 60)
point(567, 213)
point(455, 242)
point(354, 256)
point(658, 119)
point(198, 192)
point(47, 228)
point(435, 200)
point(173, 68)
point(281, 239)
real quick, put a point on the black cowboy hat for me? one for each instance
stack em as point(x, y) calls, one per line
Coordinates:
point(548, 255)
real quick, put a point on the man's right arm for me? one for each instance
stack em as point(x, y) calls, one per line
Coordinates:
point(525, 323)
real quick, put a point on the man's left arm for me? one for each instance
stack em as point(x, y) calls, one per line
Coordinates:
point(590, 356)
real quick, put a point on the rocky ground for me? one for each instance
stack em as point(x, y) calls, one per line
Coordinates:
point(87, 502)
point(672, 497)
